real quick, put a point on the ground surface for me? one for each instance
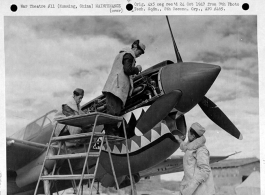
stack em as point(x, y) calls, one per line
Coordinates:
point(148, 187)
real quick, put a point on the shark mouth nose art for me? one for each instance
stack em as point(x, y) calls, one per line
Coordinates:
point(139, 140)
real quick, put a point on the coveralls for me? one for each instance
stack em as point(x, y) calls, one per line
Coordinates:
point(119, 83)
point(198, 178)
point(60, 114)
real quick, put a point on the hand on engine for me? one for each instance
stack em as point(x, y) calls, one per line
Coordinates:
point(139, 68)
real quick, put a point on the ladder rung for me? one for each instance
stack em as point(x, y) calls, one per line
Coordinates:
point(67, 177)
point(87, 135)
point(71, 156)
point(77, 136)
point(94, 154)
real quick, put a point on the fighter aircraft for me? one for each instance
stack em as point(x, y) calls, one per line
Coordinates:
point(153, 114)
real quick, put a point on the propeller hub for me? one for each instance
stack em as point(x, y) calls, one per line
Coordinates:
point(192, 79)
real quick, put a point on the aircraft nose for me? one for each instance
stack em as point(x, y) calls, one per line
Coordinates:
point(193, 79)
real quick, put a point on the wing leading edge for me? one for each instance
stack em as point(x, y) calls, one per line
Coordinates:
point(19, 153)
point(173, 165)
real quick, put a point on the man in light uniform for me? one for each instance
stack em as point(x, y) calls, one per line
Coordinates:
point(198, 178)
point(119, 83)
point(70, 108)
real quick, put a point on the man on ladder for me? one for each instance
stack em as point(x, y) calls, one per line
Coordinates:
point(67, 132)
point(119, 83)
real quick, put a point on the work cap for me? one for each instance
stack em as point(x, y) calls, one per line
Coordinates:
point(200, 130)
point(139, 45)
point(142, 46)
point(79, 91)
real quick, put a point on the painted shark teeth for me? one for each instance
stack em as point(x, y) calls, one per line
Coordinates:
point(116, 150)
point(123, 149)
point(137, 132)
point(134, 146)
point(127, 117)
point(164, 129)
point(144, 141)
point(174, 110)
point(154, 135)
point(145, 108)
point(137, 113)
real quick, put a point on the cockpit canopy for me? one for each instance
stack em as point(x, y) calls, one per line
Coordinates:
point(35, 127)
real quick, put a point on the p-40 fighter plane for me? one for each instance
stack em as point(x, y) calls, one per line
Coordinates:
point(153, 114)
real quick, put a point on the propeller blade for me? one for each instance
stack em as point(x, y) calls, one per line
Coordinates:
point(158, 111)
point(219, 118)
point(179, 59)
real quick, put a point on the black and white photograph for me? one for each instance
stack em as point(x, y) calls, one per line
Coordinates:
point(132, 104)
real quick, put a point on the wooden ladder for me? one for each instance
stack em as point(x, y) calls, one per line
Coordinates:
point(46, 176)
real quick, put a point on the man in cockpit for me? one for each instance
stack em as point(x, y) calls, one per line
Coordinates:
point(119, 83)
point(69, 108)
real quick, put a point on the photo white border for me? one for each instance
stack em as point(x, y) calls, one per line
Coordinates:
point(256, 8)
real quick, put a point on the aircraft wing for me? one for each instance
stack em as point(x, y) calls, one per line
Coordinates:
point(173, 165)
point(20, 152)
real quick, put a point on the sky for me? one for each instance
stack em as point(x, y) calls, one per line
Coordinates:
point(47, 57)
